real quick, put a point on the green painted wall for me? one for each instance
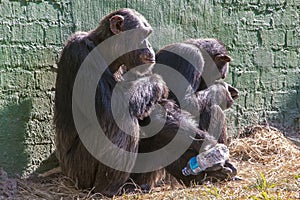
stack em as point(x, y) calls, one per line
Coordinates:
point(263, 37)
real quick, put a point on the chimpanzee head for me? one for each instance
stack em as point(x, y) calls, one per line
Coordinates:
point(216, 60)
point(142, 57)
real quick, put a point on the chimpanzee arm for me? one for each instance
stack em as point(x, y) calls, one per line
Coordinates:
point(148, 91)
point(177, 119)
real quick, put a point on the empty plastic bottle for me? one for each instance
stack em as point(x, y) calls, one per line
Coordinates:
point(216, 155)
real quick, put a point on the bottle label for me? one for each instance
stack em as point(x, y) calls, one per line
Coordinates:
point(194, 165)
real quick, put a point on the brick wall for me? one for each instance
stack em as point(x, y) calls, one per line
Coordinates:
point(263, 38)
point(31, 36)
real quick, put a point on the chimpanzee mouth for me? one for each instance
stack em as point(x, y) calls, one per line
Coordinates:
point(148, 60)
point(229, 103)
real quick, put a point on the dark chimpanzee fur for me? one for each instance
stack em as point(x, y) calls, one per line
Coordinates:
point(201, 62)
point(218, 54)
point(144, 91)
point(209, 57)
point(75, 160)
point(209, 104)
point(207, 61)
point(175, 116)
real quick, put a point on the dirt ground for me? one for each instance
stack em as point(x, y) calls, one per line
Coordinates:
point(268, 164)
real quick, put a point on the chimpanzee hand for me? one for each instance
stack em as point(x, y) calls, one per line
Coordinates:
point(220, 171)
point(215, 173)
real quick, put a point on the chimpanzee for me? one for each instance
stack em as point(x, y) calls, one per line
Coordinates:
point(75, 160)
point(189, 68)
point(199, 62)
point(146, 93)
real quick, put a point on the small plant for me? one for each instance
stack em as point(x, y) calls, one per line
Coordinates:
point(213, 191)
point(262, 185)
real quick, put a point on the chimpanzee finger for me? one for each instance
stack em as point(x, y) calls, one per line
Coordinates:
point(231, 166)
point(215, 167)
point(227, 172)
point(214, 176)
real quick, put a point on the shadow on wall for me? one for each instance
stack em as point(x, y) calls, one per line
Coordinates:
point(289, 116)
point(13, 120)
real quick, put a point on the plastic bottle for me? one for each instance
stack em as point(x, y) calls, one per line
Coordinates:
point(217, 154)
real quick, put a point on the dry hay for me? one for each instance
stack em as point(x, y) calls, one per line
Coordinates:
point(259, 144)
point(265, 152)
point(53, 187)
point(260, 149)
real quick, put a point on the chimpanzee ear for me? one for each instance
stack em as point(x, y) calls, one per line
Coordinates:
point(222, 57)
point(233, 92)
point(116, 24)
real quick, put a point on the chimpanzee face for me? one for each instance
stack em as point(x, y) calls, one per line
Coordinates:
point(140, 60)
point(142, 57)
